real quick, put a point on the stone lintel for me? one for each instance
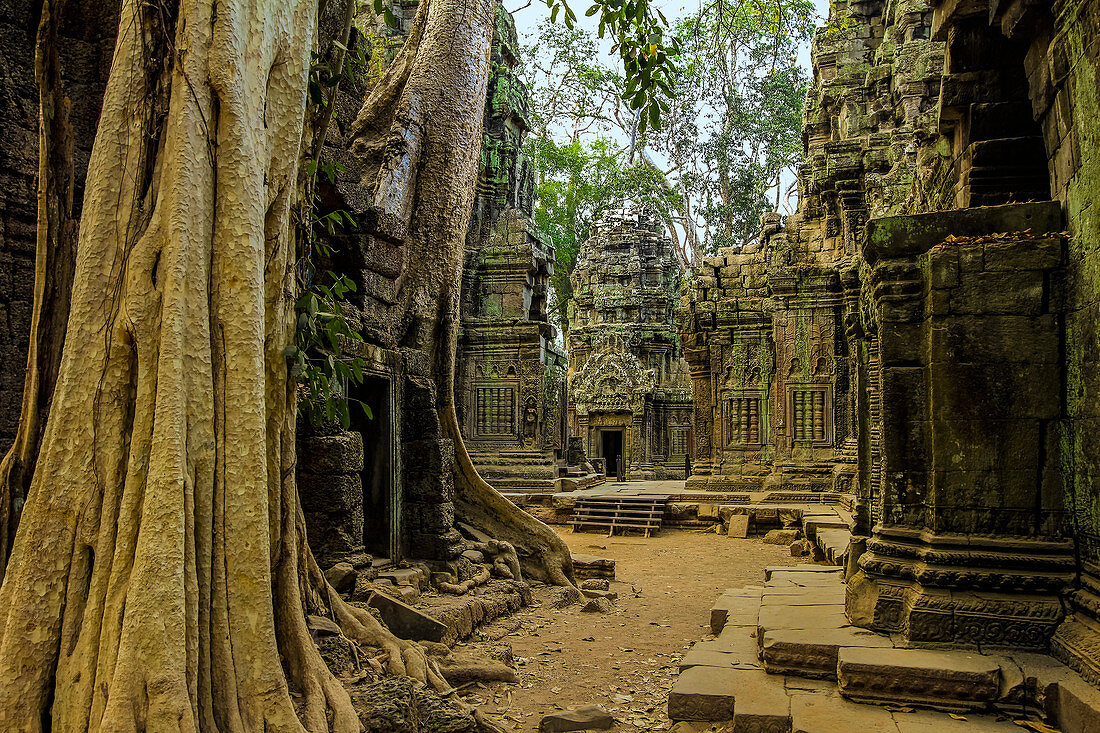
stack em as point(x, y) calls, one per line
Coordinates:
point(912, 235)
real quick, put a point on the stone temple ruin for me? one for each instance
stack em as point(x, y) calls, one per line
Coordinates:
point(917, 346)
point(628, 389)
point(905, 370)
point(511, 383)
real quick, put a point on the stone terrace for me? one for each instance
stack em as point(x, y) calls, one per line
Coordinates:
point(784, 658)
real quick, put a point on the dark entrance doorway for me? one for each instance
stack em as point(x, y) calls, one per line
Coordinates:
point(381, 508)
point(611, 448)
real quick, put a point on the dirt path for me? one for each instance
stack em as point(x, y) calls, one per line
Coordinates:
point(625, 660)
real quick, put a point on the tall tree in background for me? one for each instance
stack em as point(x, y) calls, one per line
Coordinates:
point(730, 134)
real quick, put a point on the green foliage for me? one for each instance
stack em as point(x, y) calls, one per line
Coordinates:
point(577, 182)
point(319, 359)
point(638, 32)
point(731, 131)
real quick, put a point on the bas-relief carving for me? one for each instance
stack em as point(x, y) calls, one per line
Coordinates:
point(836, 313)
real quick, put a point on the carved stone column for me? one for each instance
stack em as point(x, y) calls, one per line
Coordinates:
point(971, 545)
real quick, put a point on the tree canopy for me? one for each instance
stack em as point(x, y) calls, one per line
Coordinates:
point(728, 136)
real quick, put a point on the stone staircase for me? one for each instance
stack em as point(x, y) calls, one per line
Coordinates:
point(785, 660)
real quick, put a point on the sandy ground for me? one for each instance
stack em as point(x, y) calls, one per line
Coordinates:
point(624, 660)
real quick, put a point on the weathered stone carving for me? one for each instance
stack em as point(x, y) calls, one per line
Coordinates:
point(511, 371)
point(629, 393)
point(935, 365)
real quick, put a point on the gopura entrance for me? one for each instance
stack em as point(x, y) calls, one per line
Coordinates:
point(629, 389)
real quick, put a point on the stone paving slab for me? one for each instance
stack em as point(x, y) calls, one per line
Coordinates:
point(951, 680)
point(762, 703)
point(702, 655)
point(830, 713)
point(704, 693)
point(739, 640)
point(802, 617)
point(734, 610)
point(931, 721)
point(804, 596)
point(801, 580)
point(813, 652)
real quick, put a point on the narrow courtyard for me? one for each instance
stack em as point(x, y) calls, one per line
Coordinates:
point(626, 661)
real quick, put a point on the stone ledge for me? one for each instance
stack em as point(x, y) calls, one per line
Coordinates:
point(947, 680)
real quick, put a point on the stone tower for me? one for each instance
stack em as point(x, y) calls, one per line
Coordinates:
point(511, 372)
point(629, 395)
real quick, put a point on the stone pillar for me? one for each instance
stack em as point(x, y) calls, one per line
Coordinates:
point(972, 545)
point(331, 489)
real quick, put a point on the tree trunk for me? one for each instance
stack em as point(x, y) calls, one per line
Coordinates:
point(160, 576)
point(424, 124)
point(55, 258)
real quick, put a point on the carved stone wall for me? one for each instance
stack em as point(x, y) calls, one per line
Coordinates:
point(627, 371)
point(763, 334)
point(511, 371)
point(963, 344)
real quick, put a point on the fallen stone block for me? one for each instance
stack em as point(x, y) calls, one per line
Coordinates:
point(948, 680)
point(589, 717)
point(738, 526)
point(813, 652)
point(801, 548)
point(402, 576)
point(341, 576)
point(601, 604)
point(323, 626)
point(459, 670)
point(781, 536)
point(406, 622)
point(596, 584)
point(590, 566)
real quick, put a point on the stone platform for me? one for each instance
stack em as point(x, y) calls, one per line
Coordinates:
point(785, 659)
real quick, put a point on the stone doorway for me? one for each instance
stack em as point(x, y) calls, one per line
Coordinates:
point(611, 449)
point(381, 503)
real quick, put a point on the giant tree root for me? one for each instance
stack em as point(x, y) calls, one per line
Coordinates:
point(541, 553)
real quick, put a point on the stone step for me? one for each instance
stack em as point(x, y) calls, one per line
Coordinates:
point(949, 680)
point(741, 605)
point(830, 713)
point(781, 570)
point(834, 544)
point(751, 698)
point(813, 653)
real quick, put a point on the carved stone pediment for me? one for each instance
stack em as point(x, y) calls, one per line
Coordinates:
point(611, 377)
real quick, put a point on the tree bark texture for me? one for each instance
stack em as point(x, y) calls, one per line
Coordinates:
point(419, 137)
point(160, 576)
